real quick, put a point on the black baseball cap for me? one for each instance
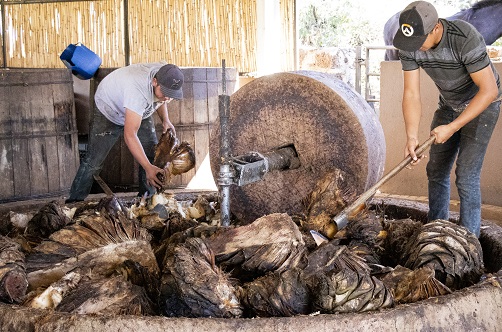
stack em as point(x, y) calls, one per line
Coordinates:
point(170, 79)
point(416, 21)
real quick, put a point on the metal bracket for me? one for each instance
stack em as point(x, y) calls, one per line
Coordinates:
point(253, 166)
point(249, 168)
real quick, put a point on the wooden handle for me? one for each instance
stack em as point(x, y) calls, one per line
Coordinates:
point(405, 162)
point(103, 185)
point(341, 218)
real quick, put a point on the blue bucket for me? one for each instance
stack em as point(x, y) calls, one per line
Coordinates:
point(82, 61)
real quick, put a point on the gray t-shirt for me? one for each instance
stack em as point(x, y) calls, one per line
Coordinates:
point(460, 52)
point(128, 87)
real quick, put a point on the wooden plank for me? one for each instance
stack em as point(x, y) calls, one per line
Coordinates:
point(6, 170)
point(6, 162)
point(21, 167)
point(41, 118)
point(38, 157)
point(67, 160)
point(201, 115)
point(64, 143)
point(187, 111)
point(76, 157)
point(214, 89)
point(21, 128)
point(184, 130)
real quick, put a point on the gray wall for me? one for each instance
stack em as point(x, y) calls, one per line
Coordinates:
point(414, 182)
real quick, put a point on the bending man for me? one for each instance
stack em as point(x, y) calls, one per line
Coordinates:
point(125, 101)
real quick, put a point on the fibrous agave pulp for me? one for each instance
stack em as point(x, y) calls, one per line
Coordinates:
point(116, 258)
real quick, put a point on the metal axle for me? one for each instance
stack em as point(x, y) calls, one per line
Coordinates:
point(253, 166)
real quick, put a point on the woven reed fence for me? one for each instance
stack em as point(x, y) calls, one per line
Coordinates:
point(186, 32)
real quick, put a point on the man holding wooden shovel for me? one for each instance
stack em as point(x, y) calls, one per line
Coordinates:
point(453, 54)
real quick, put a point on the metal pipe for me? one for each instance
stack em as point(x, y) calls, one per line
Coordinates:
point(226, 175)
point(367, 71)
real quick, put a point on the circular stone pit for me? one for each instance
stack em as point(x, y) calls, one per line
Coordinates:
point(476, 308)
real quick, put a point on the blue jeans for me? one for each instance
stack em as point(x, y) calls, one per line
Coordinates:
point(103, 134)
point(468, 147)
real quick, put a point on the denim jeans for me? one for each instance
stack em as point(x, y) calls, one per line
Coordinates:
point(103, 134)
point(468, 146)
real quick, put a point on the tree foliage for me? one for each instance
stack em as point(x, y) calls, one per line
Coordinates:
point(333, 23)
point(325, 23)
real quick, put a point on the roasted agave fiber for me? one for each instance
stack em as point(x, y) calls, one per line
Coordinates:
point(450, 250)
point(172, 157)
point(340, 281)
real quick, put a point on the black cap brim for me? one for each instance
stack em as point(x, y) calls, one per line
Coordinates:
point(175, 94)
point(409, 44)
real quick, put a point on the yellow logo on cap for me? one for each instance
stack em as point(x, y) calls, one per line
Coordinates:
point(407, 30)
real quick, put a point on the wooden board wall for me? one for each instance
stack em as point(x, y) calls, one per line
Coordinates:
point(38, 136)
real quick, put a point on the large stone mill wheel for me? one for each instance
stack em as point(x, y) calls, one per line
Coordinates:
point(330, 125)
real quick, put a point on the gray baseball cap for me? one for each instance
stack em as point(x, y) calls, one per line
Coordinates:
point(416, 21)
point(170, 79)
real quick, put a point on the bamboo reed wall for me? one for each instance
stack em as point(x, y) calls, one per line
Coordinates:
point(190, 33)
point(288, 17)
point(36, 34)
